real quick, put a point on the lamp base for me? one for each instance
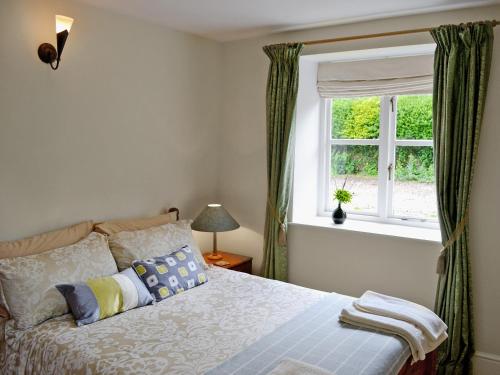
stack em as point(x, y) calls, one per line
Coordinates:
point(214, 256)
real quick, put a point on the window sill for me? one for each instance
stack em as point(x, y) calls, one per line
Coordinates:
point(382, 229)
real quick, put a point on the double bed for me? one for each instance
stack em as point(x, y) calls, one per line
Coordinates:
point(235, 323)
point(192, 333)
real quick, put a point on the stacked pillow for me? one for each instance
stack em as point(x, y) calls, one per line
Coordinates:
point(42, 282)
point(39, 244)
point(29, 282)
point(127, 225)
point(162, 240)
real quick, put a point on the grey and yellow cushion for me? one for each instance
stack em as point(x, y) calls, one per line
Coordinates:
point(29, 282)
point(127, 246)
point(171, 274)
point(103, 297)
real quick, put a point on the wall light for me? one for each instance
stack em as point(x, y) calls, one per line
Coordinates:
point(47, 52)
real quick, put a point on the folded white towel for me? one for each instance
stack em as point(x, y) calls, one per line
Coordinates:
point(419, 343)
point(290, 366)
point(401, 309)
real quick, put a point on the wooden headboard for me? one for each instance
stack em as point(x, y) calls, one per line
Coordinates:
point(174, 209)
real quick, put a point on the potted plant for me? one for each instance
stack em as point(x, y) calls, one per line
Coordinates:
point(342, 196)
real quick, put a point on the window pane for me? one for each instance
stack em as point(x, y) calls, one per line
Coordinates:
point(414, 192)
point(356, 118)
point(360, 165)
point(414, 119)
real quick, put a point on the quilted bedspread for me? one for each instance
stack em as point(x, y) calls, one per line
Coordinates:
point(227, 326)
point(189, 333)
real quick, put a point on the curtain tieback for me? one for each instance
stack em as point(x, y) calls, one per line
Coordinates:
point(459, 230)
point(282, 229)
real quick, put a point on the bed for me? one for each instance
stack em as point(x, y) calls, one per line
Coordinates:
point(190, 333)
point(233, 324)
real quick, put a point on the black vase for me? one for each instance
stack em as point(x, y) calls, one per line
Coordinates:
point(339, 215)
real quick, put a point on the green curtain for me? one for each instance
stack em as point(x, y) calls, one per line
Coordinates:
point(461, 69)
point(281, 96)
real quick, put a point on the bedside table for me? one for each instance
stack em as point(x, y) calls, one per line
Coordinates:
point(237, 262)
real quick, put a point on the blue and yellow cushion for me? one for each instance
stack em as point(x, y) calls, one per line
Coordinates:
point(171, 274)
point(103, 297)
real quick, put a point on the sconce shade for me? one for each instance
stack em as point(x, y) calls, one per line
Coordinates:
point(63, 23)
point(214, 218)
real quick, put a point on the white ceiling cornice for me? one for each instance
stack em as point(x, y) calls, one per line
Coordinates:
point(410, 12)
point(228, 20)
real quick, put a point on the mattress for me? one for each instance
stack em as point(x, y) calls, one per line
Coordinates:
point(190, 333)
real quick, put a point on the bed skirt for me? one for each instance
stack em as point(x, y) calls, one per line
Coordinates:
point(425, 367)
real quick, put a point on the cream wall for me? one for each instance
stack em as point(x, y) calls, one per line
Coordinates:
point(139, 118)
point(343, 261)
point(126, 126)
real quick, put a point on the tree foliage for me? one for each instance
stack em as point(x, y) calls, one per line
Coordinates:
point(359, 118)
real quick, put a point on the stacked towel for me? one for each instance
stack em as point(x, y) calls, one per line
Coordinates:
point(397, 308)
point(420, 327)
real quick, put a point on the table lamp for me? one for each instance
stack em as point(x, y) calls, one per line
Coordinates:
point(214, 218)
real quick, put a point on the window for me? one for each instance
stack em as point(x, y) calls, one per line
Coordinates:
point(383, 146)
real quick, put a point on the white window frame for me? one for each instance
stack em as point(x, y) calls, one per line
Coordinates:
point(387, 144)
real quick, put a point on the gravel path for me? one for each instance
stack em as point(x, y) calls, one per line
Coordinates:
point(410, 199)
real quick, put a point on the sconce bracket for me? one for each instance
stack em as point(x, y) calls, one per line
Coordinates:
point(47, 53)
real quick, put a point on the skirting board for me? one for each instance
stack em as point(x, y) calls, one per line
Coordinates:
point(486, 363)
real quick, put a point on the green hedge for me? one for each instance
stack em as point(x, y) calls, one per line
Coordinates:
point(356, 118)
point(360, 117)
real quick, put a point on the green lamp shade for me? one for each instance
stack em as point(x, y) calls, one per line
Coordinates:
point(214, 218)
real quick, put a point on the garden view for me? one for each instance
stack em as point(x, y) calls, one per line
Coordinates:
point(414, 189)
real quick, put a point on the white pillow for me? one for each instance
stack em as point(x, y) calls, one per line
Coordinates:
point(29, 282)
point(152, 242)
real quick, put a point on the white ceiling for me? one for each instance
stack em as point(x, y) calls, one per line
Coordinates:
point(225, 20)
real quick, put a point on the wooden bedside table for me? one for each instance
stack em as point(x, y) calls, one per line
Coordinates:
point(237, 262)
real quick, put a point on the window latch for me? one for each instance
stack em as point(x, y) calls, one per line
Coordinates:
point(389, 170)
point(392, 103)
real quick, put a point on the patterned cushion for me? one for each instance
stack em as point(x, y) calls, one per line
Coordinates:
point(29, 282)
point(171, 274)
point(105, 296)
point(152, 242)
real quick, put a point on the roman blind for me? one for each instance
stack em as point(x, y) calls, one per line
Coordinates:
point(388, 76)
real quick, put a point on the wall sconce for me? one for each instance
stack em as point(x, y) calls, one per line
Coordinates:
point(46, 51)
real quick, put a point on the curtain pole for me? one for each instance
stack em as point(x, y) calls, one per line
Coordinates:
point(377, 35)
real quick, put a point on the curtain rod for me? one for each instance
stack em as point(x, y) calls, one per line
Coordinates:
point(377, 35)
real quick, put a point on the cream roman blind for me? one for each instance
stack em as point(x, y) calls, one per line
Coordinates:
point(388, 76)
